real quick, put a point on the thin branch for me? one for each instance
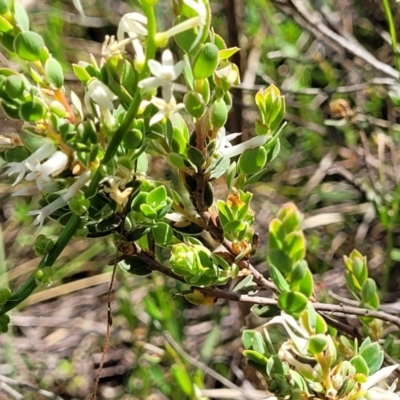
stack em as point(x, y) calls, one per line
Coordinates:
point(6, 381)
point(314, 23)
point(336, 309)
point(108, 332)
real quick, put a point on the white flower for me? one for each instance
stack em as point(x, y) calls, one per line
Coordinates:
point(199, 7)
point(43, 172)
point(46, 211)
point(164, 109)
point(164, 74)
point(48, 187)
point(102, 96)
point(225, 148)
point(21, 168)
point(77, 185)
point(112, 47)
point(134, 25)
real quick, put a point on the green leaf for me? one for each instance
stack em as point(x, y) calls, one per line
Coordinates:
point(195, 156)
point(5, 5)
point(152, 308)
point(21, 17)
point(14, 85)
point(156, 196)
point(245, 284)
point(360, 365)
point(305, 285)
point(265, 311)
point(279, 259)
point(278, 279)
point(135, 266)
point(28, 45)
point(295, 245)
point(234, 226)
point(255, 357)
point(373, 356)
point(317, 344)
point(369, 293)
point(54, 73)
point(226, 53)
point(32, 111)
point(162, 234)
point(182, 378)
point(184, 39)
point(81, 73)
point(292, 302)
point(252, 161)
point(148, 211)
point(5, 26)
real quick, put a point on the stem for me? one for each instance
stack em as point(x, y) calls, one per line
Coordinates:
point(30, 284)
point(392, 31)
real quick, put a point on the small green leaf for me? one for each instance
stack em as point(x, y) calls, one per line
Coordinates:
point(28, 45)
point(360, 365)
point(14, 86)
point(5, 5)
point(373, 356)
point(252, 161)
point(280, 260)
point(255, 357)
point(156, 196)
point(54, 73)
point(278, 279)
point(5, 26)
point(226, 53)
point(81, 73)
point(21, 17)
point(295, 245)
point(195, 156)
point(32, 111)
point(162, 234)
point(317, 344)
point(152, 308)
point(292, 302)
point(148, 211)
point(369, 293)
point(245, 284)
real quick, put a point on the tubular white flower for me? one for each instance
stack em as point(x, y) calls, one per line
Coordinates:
point(77, 185)
point(43, 172)
point(21, 168)
point(224, 140)
point(46, 211)
point(164, 109)
point(253, 143)
point(379, 376)
point(100, 94)
point(198, 21)
point(134, 25)
point(48, 187)
point(164, 74)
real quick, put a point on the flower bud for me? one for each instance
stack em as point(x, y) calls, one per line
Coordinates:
point(206, 61)
point(218, 113)
point(194, 104)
